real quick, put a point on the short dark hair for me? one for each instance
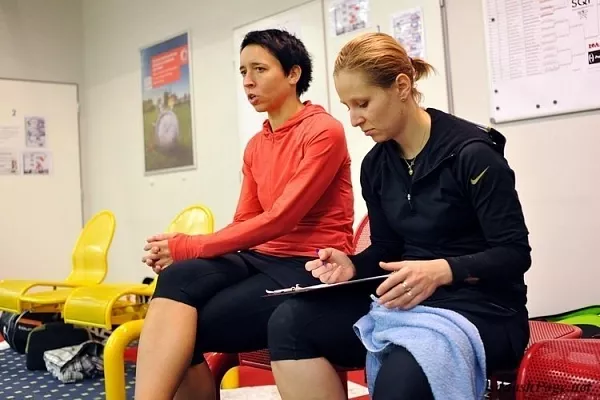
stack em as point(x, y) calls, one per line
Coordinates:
point(288, 49)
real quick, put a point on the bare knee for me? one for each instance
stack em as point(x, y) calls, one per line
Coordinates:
point(161, 308)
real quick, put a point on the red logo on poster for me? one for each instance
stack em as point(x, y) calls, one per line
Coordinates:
point(166, 67)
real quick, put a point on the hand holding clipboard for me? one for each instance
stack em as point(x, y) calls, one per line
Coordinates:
point(302, 289)
point(333, 268)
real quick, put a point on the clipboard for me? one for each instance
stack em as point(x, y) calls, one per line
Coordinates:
point(303, 289)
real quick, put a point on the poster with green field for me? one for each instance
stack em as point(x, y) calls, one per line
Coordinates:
point(167, 106)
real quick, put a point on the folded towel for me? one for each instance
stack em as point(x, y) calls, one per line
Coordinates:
point(75, 363)
point(446, 345)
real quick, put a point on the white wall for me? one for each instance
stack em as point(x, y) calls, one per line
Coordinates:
point(40, 40)
point(43, 40)
point(113, 156)
point(556, 162)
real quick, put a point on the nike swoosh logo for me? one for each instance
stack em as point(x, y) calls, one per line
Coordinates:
point(478, 177)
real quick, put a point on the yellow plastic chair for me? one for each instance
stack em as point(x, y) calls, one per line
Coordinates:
point(89, 267)
point(114, 362)
point(106, 305)
point(114, 359)
point(189, 221)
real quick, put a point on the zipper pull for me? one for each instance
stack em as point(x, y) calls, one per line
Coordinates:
point(408, 197)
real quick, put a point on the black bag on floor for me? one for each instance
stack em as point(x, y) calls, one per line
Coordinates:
point(4, 318)
point(51, 336)
point(16, 327)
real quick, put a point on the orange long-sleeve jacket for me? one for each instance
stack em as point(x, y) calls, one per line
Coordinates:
point(296, 193)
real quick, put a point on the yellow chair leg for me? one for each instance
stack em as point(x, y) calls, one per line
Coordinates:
point(114, 362)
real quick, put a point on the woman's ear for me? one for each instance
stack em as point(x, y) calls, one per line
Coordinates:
point(403, 86)
point(294, 75)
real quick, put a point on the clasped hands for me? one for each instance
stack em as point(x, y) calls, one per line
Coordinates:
point(158, 256)
point(410, 283)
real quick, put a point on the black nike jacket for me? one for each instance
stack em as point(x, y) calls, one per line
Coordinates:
point(460, 205)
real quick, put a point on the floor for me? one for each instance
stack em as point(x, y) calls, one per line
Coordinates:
point(18, 383)
point(355, 392)
point(265, 388)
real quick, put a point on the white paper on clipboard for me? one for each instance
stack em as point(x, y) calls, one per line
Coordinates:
point(302, 289)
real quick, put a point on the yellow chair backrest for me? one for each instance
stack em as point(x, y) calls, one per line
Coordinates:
point(193, 220)
point(90, 255)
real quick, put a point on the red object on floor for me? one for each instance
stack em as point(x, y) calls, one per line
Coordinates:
point(130, 354)
point(357, 377)
point(567, 365)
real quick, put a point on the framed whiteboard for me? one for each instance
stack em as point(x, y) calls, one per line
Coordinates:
point(306, 22)
point(40, 178)
point(543, 57)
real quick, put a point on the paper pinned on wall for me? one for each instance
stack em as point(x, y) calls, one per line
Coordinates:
point(543, 58)
point(408, 29)
point(9, 136)
point(35, 131)
point(37, 162)
point(23, 147)
point(9, 162)
point(348, 15)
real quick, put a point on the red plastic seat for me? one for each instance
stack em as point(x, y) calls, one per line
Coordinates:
point(560, 369)
point(540, 331)
point(362, 236)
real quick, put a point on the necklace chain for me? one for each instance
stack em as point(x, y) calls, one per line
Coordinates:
point(410, 164)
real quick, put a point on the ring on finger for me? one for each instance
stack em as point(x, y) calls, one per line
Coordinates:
point(406, 287)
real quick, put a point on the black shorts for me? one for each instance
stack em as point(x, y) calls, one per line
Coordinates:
point(233, 315)
point(310, 321)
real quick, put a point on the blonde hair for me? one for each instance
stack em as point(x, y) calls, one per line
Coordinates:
point(381, 58)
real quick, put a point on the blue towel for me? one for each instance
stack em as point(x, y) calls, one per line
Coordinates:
point(445, 344)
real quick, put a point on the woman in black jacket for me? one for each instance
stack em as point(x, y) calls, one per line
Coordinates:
point(444, 215)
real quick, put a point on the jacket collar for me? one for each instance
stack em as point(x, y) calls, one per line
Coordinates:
point(449, 134)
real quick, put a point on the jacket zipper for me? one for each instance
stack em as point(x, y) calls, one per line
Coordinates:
point(436, 166)
point(412, 182)
point(443, 160)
